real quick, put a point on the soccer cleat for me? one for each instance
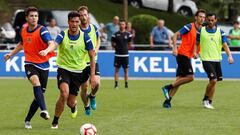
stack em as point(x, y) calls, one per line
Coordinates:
point(165, 93)
point(207, 105)
point(44, 114)
point(28, 125)
point(54, 126)
point(166, 104)
point(74, 115)
point(116, 87)
point(211, 106)
point(93, 103)
point(88, 111)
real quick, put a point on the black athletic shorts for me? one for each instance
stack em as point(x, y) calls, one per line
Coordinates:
point(184, 66)
point(213, 70)
point(88, 70)
point(31, 70)
point(74, 80)
point(121, 61)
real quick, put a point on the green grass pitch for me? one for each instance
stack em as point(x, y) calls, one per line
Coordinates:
point(134, 111)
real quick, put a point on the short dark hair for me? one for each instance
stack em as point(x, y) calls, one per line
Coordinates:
point(212, 14)
point(81, 8)
point(200, 11)
point(122, 20)
point(73, 14)
point(30, 9)
point(235, 22)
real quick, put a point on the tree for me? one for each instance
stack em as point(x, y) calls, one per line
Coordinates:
point(125, 9)
point(233, 10)
point(170, 6)
point(225, 9)
point(143, 24)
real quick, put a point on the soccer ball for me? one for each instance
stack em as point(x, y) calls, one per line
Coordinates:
point(88, 129)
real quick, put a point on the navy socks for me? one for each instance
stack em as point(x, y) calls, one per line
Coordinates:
point(38, 94)
point(32, 110)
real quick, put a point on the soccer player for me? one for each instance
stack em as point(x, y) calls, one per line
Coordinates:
point(212, 39)
point(183, 54)
point(73, 48)
point(121, 41)
point(92, 31)
point(35, 38)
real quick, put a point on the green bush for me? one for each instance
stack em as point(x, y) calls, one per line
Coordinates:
point(143, 25)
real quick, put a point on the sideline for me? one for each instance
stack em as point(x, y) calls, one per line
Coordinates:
point(134, 78)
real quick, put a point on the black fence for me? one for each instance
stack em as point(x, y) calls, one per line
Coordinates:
point(137, 47)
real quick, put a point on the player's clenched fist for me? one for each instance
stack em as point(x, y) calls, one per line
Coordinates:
point(7, 56)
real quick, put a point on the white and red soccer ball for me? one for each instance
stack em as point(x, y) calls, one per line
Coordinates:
point(88, 129)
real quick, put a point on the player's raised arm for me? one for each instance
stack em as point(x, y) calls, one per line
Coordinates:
point(51, 47)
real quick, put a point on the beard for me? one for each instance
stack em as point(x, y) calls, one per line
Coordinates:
point(84, 22)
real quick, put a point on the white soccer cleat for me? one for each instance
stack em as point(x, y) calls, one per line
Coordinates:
point(210, 106)
point(207, 105)
point(28, 125)
point(45, 115)
point(54, 126)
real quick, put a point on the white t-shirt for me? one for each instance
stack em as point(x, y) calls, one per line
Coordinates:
point(54, 31)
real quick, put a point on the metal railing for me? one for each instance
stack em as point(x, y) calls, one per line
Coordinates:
point(7, 46)
point(107, 46)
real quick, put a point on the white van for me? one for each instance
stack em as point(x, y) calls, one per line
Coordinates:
point(183, 7)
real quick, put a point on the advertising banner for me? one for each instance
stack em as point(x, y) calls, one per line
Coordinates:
point(146, 64)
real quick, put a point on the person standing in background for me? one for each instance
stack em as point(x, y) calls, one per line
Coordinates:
point(110, 29)
point(121, 41)
point(234, 36)
point(160, 36)
point(53, 29)
point(133, 32)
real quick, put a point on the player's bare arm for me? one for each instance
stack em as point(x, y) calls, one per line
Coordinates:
point(51, 47)
point(195, 54)
point(97, 46)
point(227, 50)
point(91, 54)
point(174, 48)
point(17, 49)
